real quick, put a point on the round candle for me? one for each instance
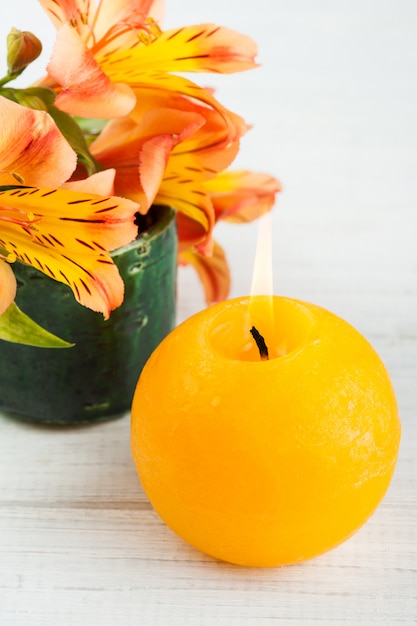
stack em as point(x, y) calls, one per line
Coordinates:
point(265, 461)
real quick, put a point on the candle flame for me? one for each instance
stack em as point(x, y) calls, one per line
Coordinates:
point(261, 310)
point(262, 270)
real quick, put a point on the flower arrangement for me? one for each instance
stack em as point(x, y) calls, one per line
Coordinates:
point(111, 129)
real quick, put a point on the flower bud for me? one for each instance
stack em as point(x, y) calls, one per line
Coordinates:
point(23, 47)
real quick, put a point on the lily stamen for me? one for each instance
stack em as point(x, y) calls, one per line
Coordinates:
point(10, 257)
point(25, 219)
point(147, 33)
point(15, 175)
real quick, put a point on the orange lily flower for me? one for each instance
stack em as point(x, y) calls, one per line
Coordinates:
point(62, 232)
point(172, 139)
point(95, 58)
point(140, 153)
point(238, 197)
point(166, 147)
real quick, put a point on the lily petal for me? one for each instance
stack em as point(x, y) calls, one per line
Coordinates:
point(140, 152)
point(195, 215)
point(100, 183)
point(7, 286)
point(168, 168)
point(153, 159)
point(67, 235)
point(32, 149)
point(213, 272)
point(158, 90)
point(211, 146)
point(199, 48)
point(63, 11)
point(86, 90)
point(241, 196)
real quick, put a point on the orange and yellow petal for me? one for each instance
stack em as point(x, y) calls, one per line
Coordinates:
point(195, 215)
point(140, 152)
point(101, 183)
point(198, 48)
point(126, 135)
point(7, 286)
point(241, 196)
point(212, 146)
point(213, 272)
point(67, 235)
point(32, 149)
point(206, 138)
point(202, 162)
point(85, 89)
point(63, 11)
point(160, 90)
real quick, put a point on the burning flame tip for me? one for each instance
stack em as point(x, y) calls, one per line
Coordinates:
point(262, 280)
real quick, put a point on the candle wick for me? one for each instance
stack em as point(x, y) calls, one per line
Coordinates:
point(260, 342)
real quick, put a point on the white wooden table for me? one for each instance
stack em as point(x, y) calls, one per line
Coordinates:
point(334, 114)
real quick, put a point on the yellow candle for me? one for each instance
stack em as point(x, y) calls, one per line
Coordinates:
point(265, 462)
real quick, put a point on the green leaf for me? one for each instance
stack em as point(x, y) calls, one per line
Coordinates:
point(17, 327)
point(75, 137)
point(39, 98)
point(91, 127)
point(9, 93)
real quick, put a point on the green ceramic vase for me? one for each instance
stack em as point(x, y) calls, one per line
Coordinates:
point(94, 380)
